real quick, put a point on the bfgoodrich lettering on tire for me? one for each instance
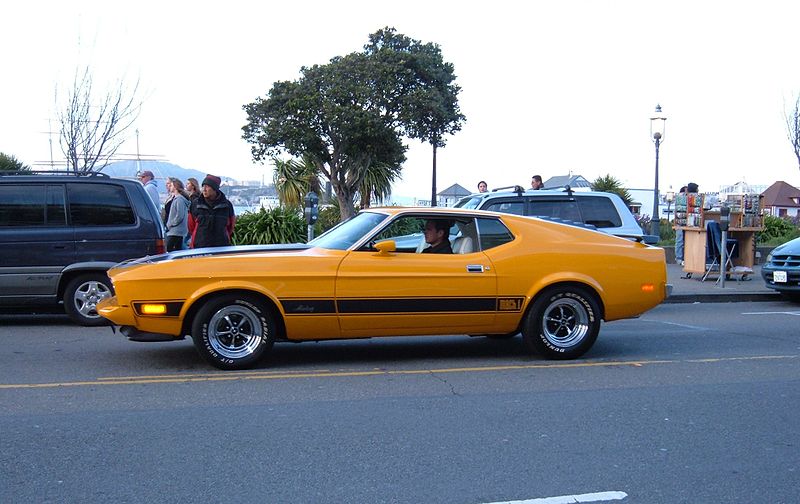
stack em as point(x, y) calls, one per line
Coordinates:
point(563, 323)
point(233, 331)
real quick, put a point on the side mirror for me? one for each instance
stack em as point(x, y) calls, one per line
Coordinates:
point(386, 247)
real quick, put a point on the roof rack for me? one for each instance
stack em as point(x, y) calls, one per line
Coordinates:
point(55, 172)
point(516, 188)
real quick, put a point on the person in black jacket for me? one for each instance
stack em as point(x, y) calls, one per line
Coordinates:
point(211, 216)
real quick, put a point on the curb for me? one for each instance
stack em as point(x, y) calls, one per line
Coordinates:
point(733, 297)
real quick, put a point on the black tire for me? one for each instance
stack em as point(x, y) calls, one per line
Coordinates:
point(563, 323)
point(233, 331)
point(81, 296)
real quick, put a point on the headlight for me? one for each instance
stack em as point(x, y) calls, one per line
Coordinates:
point(769, 257)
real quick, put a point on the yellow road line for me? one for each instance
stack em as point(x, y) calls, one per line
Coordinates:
point(324, 373)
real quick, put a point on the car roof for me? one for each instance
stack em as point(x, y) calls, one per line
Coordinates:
point(48, 177)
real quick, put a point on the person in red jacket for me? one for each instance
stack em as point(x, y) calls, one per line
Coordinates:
point(211, 216)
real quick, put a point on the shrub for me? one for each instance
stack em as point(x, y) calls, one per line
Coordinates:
point(278, 225)
point(777, 230)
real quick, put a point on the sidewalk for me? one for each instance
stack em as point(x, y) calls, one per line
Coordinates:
point(692, 290)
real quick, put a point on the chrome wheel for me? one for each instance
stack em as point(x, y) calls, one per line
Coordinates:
point(562, 323)
point(235, 331)
point(565, 322)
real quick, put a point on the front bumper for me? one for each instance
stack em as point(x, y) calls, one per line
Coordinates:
point(140, 328)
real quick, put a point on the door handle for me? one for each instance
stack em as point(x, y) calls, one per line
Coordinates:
point(475, 268)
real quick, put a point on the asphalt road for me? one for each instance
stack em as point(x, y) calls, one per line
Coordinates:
point(690, 403)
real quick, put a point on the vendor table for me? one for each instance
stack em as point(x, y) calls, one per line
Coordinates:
point(694, 251)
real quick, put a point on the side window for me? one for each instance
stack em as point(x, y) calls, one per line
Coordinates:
point(562, 209)
point(99, 205)
point(26, 205)
point(405, 231)
point(511, 207)
point(599, 211)
point(493, 233)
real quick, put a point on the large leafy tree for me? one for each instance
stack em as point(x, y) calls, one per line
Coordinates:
point(612, 185)
point(424, 91)
point(329, 116)
point(11, 163)
point(347, 117)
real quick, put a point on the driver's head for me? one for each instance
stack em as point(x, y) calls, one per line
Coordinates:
point(436, 230)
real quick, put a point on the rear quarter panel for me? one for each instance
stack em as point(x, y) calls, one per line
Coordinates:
point(544, 254)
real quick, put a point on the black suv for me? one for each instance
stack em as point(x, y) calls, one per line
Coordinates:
point(60, 233)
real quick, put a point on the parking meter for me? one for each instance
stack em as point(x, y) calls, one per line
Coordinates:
point(311, 208)
point(311, 212)
point(724, 218)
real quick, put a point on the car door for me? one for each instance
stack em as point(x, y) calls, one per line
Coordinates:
point(35, 241)
point(414, 293)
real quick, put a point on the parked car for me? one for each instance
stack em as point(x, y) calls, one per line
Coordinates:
point(60, 233)
point(507, 274)
point(782, 269)
point(605, 211)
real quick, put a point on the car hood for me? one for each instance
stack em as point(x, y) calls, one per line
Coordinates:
point(791, 247)
point(214, 251)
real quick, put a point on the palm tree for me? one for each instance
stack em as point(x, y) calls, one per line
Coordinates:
point(377, 183)
point(612, 185)
point(293, 179)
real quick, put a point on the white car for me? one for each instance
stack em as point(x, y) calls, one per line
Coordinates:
point(605, 211)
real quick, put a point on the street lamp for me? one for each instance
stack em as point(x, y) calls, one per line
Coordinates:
point(657, 123)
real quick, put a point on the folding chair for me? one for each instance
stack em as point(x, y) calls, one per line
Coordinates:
point(714, 250)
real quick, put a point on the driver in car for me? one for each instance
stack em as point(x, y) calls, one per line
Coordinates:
point(437, 237)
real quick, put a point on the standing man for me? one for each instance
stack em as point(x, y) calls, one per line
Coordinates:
point(211, 216)
point(148, 180)
point(536, 182)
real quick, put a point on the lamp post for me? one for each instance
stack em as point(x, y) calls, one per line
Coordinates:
point(657, 123)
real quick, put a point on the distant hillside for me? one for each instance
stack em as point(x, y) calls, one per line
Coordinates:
point(160, 169)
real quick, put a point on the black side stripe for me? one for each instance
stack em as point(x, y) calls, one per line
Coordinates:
point(308, 306)
point(401, 305)
point(415, 305)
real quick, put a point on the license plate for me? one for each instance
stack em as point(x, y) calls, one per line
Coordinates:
point(779, 277)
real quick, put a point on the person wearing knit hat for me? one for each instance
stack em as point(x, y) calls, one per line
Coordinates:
point(212, 181)
point(211, 216)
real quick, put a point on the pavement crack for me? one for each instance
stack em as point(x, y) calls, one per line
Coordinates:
point(441, 379)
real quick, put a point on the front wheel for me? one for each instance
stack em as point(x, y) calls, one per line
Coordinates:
point(81, 296)
point(563, 323)
point(233, 331)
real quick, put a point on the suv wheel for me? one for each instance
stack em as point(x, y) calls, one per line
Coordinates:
point(82, 295)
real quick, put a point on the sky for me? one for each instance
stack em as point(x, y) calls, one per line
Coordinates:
point(548, 87)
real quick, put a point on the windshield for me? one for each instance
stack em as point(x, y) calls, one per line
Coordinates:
point(345, 234)
point(469, 202)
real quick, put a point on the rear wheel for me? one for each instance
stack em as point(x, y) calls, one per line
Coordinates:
point(233, 331)
point(81, 296)
point(563, 323)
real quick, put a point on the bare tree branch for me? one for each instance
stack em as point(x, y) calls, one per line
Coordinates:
point(792, 118)
point(92, 128)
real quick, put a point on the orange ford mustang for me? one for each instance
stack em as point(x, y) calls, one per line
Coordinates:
point(370, 276)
